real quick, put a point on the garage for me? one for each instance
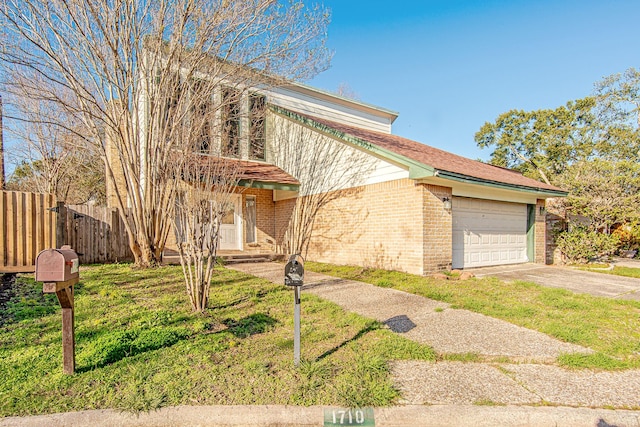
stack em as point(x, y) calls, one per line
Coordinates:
point(487, 232)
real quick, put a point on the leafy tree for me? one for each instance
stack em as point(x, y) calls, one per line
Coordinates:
point(542, 143)
point(607, 192)
point(590, 146)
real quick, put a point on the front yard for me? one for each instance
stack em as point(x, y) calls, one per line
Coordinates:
point(140, 347)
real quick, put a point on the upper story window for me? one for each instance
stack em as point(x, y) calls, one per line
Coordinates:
point(219, 121)
point(257, 134)
point(201, 108)
point(230, 121)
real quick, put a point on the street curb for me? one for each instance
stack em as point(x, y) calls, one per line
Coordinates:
point(276, 416)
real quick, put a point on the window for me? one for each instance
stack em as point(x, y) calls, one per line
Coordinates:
point(171, 95)
point(229, 217)
point(230, 123)
point(257, 112)
point(250, 219)
point(201, 117)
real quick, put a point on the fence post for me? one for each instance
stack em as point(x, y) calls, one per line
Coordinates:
point(61, 225)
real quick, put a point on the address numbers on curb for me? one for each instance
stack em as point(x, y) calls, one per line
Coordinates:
point(334, 417)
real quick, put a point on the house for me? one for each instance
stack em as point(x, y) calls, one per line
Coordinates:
point(373, 198)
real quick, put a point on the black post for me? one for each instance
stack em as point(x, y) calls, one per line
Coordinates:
point(296, 326)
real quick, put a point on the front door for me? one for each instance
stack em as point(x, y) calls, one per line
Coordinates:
point(231, 227)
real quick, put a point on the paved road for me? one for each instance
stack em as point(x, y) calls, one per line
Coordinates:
point(598, 284)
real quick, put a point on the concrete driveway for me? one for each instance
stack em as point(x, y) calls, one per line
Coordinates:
point(598, 284)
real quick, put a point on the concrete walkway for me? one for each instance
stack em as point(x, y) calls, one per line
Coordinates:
point(528, 377)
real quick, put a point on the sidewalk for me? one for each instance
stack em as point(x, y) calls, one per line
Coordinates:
point(284, 416)
point(529, 379)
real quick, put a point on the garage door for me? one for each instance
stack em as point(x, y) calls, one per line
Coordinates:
point(487, 233)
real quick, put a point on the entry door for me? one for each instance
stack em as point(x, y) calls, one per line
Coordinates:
point(231, 227)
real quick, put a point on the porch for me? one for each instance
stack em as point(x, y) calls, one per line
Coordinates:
point(257, 216)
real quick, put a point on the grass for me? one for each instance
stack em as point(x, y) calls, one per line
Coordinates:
point(610, 327)
point(139, 347)
point(617, 271)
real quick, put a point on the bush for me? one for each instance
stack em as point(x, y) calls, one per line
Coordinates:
point(580, 245)
point(629, 237)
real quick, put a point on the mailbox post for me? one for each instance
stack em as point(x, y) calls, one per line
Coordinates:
point(59, 270)
point(294, 276)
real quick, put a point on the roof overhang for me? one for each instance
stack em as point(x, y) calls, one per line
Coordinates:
point(251, 174)
point(417, 170)
point(540, 192)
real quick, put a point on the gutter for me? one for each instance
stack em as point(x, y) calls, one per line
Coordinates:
point(495, 184)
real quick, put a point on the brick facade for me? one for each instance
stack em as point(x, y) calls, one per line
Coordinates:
point(438, 229)
point(540, 233)
point(265, 220)
point(397, 225)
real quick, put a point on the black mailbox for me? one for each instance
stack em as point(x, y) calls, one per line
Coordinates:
point(294, 271)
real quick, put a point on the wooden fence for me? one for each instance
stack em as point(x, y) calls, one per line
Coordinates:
point(27, 226)
point(31, 222)
point(96, 233)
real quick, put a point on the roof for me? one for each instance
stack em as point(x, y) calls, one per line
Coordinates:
point(426, 160)
point(255, 174)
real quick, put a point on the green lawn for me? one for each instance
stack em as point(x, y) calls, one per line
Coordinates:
point(140, 347)
point(610, 327)
point(617, 271)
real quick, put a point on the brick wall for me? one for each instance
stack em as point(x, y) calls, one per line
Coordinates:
point(283, 211)
point(265, 220)
point(540, 233)
point(383, 226)
point(438, 229)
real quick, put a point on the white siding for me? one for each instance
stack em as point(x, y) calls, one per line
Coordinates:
point(306, 103)
point(322, 163)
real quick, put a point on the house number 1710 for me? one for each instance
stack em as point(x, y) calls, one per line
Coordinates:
point(348, 417)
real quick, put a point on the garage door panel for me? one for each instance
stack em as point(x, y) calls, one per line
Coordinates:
point(487, 233)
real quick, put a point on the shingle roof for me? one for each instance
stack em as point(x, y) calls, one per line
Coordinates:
point(251, 171)
point(438, 159)
point(264, 172)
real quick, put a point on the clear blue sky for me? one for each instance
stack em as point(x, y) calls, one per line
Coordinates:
point(449, 66)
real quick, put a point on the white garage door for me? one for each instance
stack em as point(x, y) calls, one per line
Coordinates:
point(487, 233)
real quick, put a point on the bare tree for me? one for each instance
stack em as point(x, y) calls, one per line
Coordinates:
point(202, 205)
point(49, 158)
point(2, 175)
point(131, 66)
point(327, 169)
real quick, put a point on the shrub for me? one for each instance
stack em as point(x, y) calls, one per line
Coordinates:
point(629, 235)
point(581, 245)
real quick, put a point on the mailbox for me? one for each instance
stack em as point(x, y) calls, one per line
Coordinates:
point(57, 265)
point(294, 271)
point(59, 270)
